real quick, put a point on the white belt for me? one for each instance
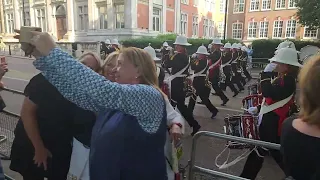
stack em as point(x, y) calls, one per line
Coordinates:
point(199, 75)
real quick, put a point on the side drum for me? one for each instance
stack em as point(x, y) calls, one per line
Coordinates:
point(241, 126)
point(252, 101)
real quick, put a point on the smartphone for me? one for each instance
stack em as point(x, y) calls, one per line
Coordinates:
point(3, 61)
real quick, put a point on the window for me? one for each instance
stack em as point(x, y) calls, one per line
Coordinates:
point(291, 4)
point(263, 30)
point(211, 28)
point(291, 28)
point(205, 28)
point(156, 19)
point(237, 29)
point(103, 17)
point(309, 33)
point(83, 17)
point(222, 6)
point(41, 19)
point(277, 28)
point(196, 3)
point(9, 23)
point(25, 18)
point(195, 26)
point(252, 29)
point(280, 4)
point(8, 2)
point(220, 30)
point(184, 24)
point(119, 12)
point(238, 6)
point(254, 5)
point(185, 1)
point(266, 5)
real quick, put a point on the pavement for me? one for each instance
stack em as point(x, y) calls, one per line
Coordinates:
point(21, 70)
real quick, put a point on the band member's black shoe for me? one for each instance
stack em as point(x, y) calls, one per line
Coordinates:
point(242, 89)
point(213, 116)
point(224, 102)
point(195, 129)
point(235, 94)
point(215, 94)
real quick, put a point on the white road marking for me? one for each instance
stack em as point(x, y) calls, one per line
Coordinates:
point(18, 79)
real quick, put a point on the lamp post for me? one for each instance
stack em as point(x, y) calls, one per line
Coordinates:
point(23, 14)
point(225, 21)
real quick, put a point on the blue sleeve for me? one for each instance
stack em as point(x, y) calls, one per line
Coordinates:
point(92, 91)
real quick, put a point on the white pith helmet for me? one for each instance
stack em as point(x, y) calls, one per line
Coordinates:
point(286, 44)
point(217, 41)
point(235, 46)
point(165, 44)
point(227, 46)
point(115, 42)
point(107, 41)
point(286, 56)
point(182, 40)
point(239, 45)
point(151, 52)
point(202, 50)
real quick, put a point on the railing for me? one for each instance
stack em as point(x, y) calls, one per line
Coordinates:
point(195, 171)
point(75, 49)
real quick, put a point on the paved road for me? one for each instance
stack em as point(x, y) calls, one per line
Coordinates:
point(21, 70)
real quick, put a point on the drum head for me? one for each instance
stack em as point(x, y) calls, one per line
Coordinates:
point(307, 52)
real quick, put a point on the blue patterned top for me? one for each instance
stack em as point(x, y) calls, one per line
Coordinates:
point(91, 91)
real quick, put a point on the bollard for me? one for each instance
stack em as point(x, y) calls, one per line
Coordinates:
point(9, 49)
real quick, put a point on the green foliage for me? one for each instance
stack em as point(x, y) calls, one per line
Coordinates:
point(265, 48)
point(170, 38)
point(309, 13)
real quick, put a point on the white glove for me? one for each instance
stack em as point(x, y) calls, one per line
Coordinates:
point(270, 67)
point(253, 110)
point(194, 56)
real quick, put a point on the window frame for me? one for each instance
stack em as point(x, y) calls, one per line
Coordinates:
point(251, 25)
point(184, 23)
point(43, 24)
point(278, 20)
point(305, 29)
point(104, 15)
point(282, 4)
point(9, 29)
point(195, 25)
point(154, 17)
point(237, 29)
point(122, 25)
point(236, 6)
point(293, 4)
point(83, 17)
point(255, 4)
point(266, 3)
point(291, 28)
point(264, 28)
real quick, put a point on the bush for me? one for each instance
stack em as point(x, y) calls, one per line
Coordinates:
point(265, 48)
point(170, 38)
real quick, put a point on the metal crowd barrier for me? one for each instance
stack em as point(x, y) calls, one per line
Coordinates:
point(195, 171)
point(8, 122)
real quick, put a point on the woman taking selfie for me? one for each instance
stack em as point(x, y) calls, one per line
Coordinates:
point(129, 135)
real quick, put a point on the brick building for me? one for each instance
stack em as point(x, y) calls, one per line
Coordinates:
point(96, 20)
point(265, 19)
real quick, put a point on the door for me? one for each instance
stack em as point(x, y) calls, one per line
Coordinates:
point(61, 26)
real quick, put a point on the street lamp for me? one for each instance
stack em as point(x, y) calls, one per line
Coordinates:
point(23, 14)
point(225, 20)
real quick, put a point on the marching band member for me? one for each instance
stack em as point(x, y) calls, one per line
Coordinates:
point(159, 70)
point(214, 69)
point(179, 63)
point(226, 60)
point(278, 99)
point(239, 65)
point(165, 55)
point(243, 62)
point(200, 81)
point(236, 78)
point(250, 52)
point(114, 46)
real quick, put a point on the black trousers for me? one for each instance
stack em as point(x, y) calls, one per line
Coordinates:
point(178, 96)
point(227, 72)
point(203, 92)
point(246, 73)
point(268, 131)
point(215, 86)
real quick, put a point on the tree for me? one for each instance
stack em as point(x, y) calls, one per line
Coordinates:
point(309, 13)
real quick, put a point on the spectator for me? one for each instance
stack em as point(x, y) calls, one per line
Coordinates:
point(300, 140)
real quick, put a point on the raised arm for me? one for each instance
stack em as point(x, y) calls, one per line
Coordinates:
point(173, 116)
point(91, 91)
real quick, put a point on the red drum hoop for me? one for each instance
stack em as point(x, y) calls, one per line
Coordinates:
point(252, 101)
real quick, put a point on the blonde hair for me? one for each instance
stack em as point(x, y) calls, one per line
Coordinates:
point(110, 59)
point(309, 88)
point(98, 59)
point(145, 65)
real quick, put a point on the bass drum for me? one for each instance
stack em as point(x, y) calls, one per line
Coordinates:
point(307, 52)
